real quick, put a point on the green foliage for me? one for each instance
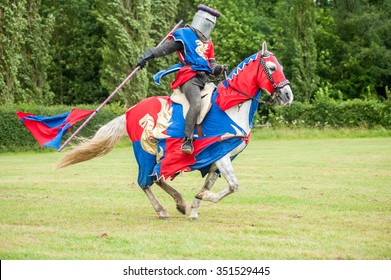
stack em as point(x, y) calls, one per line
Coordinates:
point(297, 17)
point(76, 52)
point(24, 56)
point(11, 29)
point(238, 30)
point(164, 13)
point(79, 51)
point(327, 112)
point(14, 136)
point(361, 56)
point(127, 25)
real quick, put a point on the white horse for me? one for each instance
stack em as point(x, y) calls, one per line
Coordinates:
point(157, 133)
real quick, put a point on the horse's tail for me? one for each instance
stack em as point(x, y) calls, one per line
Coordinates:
point(102, 143)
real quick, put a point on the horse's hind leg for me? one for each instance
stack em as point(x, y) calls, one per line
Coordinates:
point(209, 182)
point(180, 203)
point(156, 205)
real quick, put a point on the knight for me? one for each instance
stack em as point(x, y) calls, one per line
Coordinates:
point(197, 61)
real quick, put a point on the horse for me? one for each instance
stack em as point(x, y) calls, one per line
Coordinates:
point(156, 128)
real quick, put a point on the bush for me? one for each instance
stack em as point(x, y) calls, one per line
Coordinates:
point(15, 137)
point(324, 112)
point(331, 113)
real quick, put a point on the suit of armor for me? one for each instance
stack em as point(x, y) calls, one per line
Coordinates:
point(197, 61)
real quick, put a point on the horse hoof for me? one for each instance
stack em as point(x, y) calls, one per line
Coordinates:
point(163, 215)
point(181, 209)
point(193, 215)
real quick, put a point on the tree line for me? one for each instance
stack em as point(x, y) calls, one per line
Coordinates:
point(78, 51)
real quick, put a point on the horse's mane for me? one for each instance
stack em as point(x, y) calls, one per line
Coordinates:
point(242, 65)
point(242, 77)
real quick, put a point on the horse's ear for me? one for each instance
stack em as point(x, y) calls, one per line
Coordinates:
point(264, 47)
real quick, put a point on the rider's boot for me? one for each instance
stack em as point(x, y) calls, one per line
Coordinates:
point(187, 146)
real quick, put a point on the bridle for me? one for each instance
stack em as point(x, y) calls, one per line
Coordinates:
point(277, 88)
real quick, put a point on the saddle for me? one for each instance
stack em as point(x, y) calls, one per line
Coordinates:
point(206, 101)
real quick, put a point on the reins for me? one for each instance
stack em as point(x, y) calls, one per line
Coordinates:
point(249, 96)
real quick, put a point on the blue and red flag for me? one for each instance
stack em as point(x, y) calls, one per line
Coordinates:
point(48, 131)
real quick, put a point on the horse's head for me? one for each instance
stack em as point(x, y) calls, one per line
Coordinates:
point(273, 79)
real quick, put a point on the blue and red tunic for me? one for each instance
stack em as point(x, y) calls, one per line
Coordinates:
point(196, 56)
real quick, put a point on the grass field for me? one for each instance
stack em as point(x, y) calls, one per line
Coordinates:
point(297, 199)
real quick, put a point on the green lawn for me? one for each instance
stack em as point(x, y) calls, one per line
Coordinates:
point(297, 199)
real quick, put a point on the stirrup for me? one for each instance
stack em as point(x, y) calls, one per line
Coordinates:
point(187, 146)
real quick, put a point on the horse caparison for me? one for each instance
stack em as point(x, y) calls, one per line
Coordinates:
point(156, 135)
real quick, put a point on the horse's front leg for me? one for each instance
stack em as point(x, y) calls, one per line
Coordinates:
point(156, 205)
point(180, 203)
point(209, 182)
point(224, 165)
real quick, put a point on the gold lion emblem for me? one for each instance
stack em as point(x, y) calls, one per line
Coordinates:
point(152, 132)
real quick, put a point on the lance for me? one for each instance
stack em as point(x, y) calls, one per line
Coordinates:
point(114, 92)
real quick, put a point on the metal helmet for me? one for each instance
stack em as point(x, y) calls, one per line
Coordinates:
point(205, 20)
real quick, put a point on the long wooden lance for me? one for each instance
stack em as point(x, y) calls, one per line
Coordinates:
point(114, 92)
